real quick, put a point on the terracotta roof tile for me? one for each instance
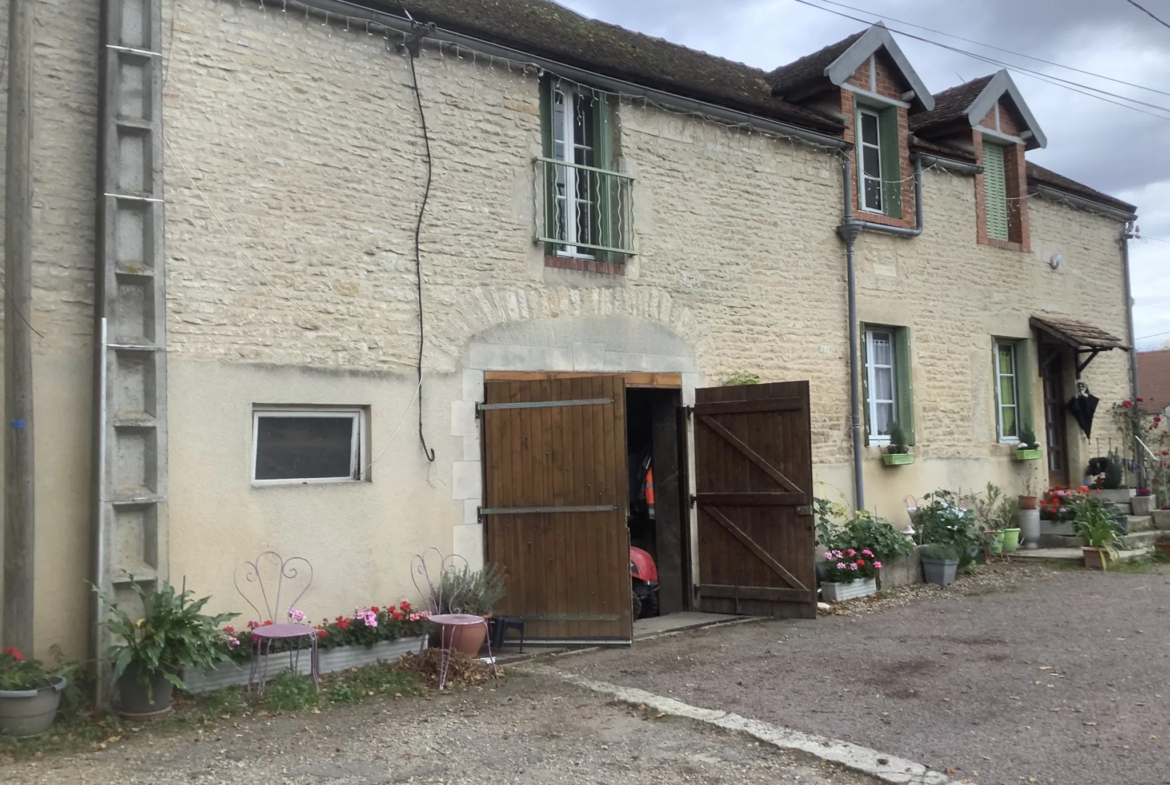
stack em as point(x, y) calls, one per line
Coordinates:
point(1154, 379)
point(951, 104)
point(1039, 174)
point(550, 30)
point(1078, 334)
point(811, 67)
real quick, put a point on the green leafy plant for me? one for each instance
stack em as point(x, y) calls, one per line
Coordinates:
point(473, 592)
point(19, 673)
point(1028, 439)
point(995, 510)
point(290, 692)
point(828, 513)
point(941, 520)
point(1114, 472)
point(1095, 524)
point(741, 379)
point(898, 445)
point(866, 531)
point(173, 634)
point(940, 550)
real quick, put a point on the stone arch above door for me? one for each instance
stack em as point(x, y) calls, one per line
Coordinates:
point(611, 343)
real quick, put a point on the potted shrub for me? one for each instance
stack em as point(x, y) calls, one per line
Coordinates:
point(1113, 481)
point(29, 696)
point(472, 593)
point(1028, 448)
point(940, 520)
point(1143, 502)
point(173, 634)
point(940, 562)
point(1099, 538)
point(898, 452)
point(851, 573)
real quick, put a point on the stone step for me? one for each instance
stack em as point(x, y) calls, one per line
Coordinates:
point(1140, 523)
point(1144, 539)
point(1060, 541)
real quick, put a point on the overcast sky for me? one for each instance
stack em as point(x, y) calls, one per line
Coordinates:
point(1114, 149)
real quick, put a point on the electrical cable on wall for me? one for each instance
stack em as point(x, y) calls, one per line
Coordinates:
point(414, 48)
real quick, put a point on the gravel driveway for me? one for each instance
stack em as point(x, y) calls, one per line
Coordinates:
point(530, 730)
point(1065, 679)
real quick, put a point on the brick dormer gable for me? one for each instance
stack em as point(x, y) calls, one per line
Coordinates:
point(846, 65)
point(991, 104)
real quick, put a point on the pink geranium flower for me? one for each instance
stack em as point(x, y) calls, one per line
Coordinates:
point(853, 567)
point(877, 565)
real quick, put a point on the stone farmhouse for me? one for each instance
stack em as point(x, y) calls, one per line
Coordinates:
point(351, 280)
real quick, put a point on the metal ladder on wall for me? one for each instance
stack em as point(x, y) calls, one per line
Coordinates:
point(130, 530)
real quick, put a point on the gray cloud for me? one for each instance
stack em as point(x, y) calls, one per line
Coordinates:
point(1111, 148)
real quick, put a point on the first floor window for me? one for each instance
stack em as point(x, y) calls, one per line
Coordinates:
point(577, 184)
point(881, 370)
point(307, 444)
point(1007, 391)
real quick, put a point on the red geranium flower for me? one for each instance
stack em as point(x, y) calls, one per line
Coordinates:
point(375, 609)
point(15, 652)
point(321, 633)
point(395, 615)
point(267, 623)
point(1127, 404)
point(405, 606)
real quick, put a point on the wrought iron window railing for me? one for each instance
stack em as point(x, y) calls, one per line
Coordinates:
point(583, 211)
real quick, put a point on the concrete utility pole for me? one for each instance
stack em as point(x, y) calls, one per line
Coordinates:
point(19, 526)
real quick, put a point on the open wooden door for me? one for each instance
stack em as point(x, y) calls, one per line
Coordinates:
point(554, 510)
point(753, 460)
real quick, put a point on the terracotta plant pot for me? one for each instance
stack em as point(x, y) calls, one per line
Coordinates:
point(30, 712)
point(467, 638)
point(134, 701)
point(1095, 558)
point(1029, 502)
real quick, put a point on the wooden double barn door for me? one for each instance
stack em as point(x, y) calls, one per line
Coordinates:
point(556, 497)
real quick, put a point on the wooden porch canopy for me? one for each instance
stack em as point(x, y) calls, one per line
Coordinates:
point(1087, 340)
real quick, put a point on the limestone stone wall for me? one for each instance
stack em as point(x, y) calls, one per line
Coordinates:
point(295, 169)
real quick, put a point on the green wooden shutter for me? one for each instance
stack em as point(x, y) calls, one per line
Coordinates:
point(891, 162)
point(865, 382)
point(905, 380)
point(548, 147)
point(603, 136)
point(995, 192)
point(1025, 367)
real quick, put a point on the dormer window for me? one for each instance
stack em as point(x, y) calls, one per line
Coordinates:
point(869, 159)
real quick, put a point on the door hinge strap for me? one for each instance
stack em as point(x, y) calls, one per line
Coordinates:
point(545, 510)
point(487, 407)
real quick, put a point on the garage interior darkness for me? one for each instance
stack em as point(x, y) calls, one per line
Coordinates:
point(653, 427)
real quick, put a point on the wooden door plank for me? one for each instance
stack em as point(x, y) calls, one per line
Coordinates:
point(767, 594)
point(787, 404)
point(751, 454)
point(754, 547)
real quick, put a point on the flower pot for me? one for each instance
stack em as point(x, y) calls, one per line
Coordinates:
point(840, 592)
point(467, 638)
point(1142, 505)
point(1028, 455)
point(134, 701)
point(1095, 558)
point(30, 712)
point(1029, 523)
point(1029, 502)
point(940, 572)
point(1161, 520)
point(1011, 540)
point(1119, 496)
point(898, 459)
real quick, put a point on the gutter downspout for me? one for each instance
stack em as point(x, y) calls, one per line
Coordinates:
point(850, 230)
point(1126, 235)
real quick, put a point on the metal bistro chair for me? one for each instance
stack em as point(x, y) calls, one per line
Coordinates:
point(269, 633)
point(449, 624)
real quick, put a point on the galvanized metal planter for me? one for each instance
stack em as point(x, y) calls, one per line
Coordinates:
point(229, 674)
point(840, 592)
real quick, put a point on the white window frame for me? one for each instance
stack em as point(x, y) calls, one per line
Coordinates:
point(862, 177)
point(567, 131)
point(999, 404)
point(359, 444)
point(876, 439)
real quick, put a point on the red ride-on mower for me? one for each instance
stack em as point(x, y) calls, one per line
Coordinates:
point(644, 574)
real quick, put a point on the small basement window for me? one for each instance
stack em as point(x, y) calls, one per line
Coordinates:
point(307, 444)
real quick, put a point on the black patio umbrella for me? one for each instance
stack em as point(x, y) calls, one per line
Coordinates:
point(1082, 407)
